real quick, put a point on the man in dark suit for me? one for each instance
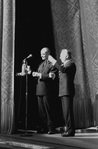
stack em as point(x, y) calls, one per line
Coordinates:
point(45, 89)
point(67, 72)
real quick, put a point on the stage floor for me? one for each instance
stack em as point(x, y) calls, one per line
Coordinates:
point(83, 139)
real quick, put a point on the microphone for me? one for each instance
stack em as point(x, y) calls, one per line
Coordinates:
point(30, 55)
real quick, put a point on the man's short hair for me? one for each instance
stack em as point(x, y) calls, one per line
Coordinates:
point(68, 52)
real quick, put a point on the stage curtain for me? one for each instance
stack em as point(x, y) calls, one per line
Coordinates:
point(7, 31)
point(75, 24)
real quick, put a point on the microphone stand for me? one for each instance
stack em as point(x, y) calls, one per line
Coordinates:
point(26, 95)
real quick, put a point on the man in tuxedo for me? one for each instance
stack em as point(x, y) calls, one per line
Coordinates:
point(45, 90)
point(67, 71)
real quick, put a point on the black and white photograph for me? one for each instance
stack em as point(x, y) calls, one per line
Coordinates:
point(49, 74)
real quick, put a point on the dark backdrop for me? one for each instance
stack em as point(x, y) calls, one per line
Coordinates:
point(33, 32)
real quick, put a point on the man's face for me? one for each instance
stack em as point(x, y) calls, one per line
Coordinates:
point(44, 54)
point(63, 56)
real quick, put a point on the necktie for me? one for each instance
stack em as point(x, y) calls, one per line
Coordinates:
point(45, 63)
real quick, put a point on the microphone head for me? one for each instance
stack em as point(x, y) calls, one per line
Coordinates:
point(30, 55)
point(27, 57)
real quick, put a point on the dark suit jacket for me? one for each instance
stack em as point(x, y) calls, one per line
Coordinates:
point(66, 78)
point(46, 85)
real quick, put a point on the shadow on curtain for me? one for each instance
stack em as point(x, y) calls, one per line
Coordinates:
point(76, 28)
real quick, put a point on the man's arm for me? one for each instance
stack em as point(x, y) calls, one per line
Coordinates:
point(36, 74)
point(51, 75)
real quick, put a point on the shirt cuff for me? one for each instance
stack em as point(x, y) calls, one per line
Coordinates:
point(40, 75)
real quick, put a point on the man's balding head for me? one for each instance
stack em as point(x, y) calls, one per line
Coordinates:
point(44, 53)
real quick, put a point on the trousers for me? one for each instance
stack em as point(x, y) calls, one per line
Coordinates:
point(68, 116)
point(45, 111)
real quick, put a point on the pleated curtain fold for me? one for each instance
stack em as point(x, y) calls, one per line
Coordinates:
point(76, 28)
point(7, 40)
